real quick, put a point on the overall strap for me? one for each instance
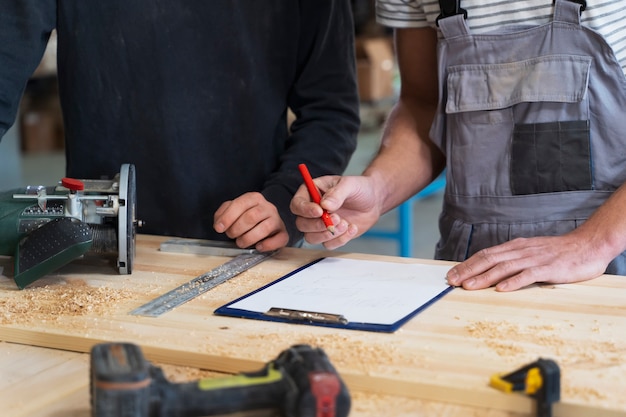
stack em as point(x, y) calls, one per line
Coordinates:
point(452, 20)
point(569, 11)
point(453, 7)
point(450, 8)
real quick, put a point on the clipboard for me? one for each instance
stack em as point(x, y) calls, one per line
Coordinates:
point(346, 293)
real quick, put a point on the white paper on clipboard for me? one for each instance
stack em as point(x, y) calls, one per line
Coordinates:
point(376, 295)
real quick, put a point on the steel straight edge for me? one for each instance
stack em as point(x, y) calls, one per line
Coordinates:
point(369, 383)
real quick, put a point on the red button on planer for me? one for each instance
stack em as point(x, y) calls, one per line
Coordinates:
point(73, 184)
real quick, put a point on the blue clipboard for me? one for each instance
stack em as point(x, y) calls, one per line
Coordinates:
point(317, 277)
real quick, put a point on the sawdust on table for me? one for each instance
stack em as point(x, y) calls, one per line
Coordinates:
point(509, 339)
point(518, 342)
point(50, 302)
point(382, 405)
point(341, 349)
point(180, 374)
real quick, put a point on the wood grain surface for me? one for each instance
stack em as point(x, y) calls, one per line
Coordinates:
point(446, 354)
point(43, 382)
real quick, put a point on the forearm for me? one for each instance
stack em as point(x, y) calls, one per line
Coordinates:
point(407, 160)
point(324, 98)
point(604, 233)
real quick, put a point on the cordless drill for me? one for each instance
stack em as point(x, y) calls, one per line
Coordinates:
point(300, 382)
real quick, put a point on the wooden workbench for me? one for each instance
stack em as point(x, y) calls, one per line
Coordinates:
point(438, 364)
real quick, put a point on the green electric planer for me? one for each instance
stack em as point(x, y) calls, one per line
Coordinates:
point(46, 227)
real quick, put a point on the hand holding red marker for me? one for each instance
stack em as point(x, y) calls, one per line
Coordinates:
point(315, 196)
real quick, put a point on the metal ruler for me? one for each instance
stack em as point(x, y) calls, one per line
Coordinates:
point(204, 247)
point(200, 284)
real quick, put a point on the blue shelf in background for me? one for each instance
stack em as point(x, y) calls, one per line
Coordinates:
point(403, 234)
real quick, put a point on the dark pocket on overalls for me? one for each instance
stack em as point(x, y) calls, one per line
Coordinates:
point(501, 116)
point(551, 157)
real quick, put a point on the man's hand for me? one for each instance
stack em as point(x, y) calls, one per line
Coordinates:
point(252, 221)
point(349, 200)
point(524, 261)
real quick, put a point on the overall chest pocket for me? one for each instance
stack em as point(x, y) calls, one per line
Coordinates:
point(551, 157)
point(523, 124)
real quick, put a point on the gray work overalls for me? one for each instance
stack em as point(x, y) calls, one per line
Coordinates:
point(533, 124)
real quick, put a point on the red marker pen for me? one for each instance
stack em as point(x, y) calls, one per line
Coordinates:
point(315, 196)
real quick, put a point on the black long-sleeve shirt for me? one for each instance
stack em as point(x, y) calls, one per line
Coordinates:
point(195, 94)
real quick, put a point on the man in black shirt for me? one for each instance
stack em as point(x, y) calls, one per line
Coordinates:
point(195, 95)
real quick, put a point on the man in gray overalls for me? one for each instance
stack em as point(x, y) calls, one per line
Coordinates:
point(528, 122)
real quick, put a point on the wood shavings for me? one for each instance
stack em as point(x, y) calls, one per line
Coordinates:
point(509, 339)
point(584, 393)
point(481, 329)
point(518, 343)
point(376, 405)
point(503, 348)
point(341, 349)
point(49, 302)
point(181, 374)
point(367, 404)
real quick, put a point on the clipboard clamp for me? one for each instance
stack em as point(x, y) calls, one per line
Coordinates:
point(301, 315)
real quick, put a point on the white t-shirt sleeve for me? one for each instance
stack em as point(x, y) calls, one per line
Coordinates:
point(401, 13)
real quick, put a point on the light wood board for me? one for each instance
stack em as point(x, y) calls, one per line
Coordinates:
point(42, 382)
point(447, 353)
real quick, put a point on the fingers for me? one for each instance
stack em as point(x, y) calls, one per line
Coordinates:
point(346, 234)
point(273, 242)
point(309, 219)
point(237, 216)
point(252, 221)
point(351, 202)
point(309, 222)
point(524, 261)
point(511, 266)
point(336, 190)
point(506, 276)
point(332, 198)
point(302, 206)
point(315, 232)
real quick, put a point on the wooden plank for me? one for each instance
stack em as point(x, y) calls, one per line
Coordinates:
point(55, 383)
point(447, 353)
point(24, 394)
point(56, 399)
